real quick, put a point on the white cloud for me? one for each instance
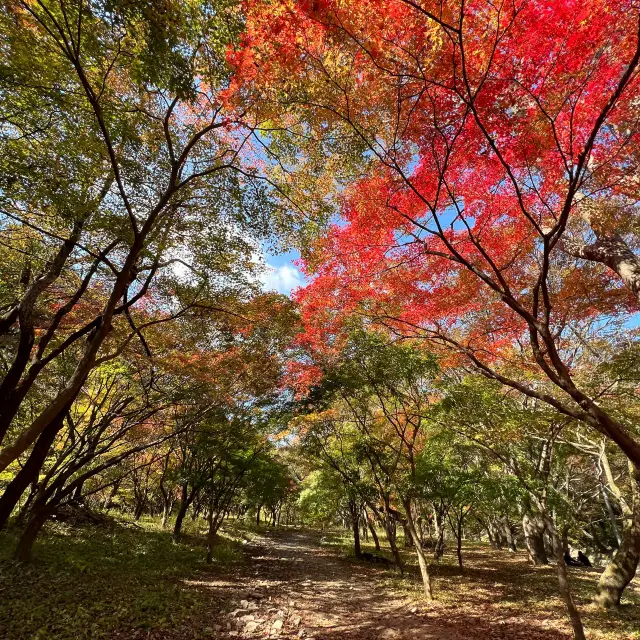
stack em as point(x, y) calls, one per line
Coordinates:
point(282, 279)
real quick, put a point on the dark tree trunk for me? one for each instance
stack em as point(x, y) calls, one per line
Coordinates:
point(185, 501)
point(459, 544)
point(487, 527)
point(10, 401)
point(355, 526)
point(39, 516)
point(139, 510)
point(565, 537)
point(533, 527)
point(108, 503)
point(438, 550)
point(21, 518)
point(30, 470)
point(438, 520)
point(77, 493)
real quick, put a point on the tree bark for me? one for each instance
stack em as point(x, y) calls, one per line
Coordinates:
point(185, 501)
point(215, 520)
point(39, 516)
point(422, 561)
point(167, 508)
point(511, 541)
point(622, 568)
point(613, 252)
point(355, 526)
point(563, 580)
point(372, 529)
point(390, 531)
point(533, 528)
point(108, 503)
point(611, 514)
point(137, 514)
point(408, 540)
point(30, 470)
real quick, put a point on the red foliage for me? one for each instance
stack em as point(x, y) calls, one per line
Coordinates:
point(490, 126)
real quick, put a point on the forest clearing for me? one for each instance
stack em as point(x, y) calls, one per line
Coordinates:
point(320, 319)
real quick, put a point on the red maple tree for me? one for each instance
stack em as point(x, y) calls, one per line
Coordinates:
point(498, 209)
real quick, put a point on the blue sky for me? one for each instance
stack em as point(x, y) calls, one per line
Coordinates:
point(281, 274)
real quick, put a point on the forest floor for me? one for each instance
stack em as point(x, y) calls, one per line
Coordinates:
point(131, 582)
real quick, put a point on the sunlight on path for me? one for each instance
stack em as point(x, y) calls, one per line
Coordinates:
point(300, 590)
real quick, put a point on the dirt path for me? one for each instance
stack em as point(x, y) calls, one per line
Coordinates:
point(295, 588)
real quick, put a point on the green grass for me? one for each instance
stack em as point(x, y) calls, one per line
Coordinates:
point(113, 581)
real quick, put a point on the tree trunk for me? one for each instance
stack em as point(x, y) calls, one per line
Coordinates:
point(30, 470)
point(355, 526)
point(533, 527)
point(77, 493)
point(622, 568)
point(108, 503)
point(215, 520)
point(614, 252)
point(166, 510)
point(185, 501)
point(11, 404)
point(438, 520)
point(258, 515)
point(565, 537)
point(25, 508)
point(11, 392)
point(612, 515)
point(372, 529)
point(85, 363)
point(390, 531)
point(137, 514)
point(459, 543)
point(408, 541)
point(511, 541)
point(25, 545)
point(563, 580)
point(422, 561)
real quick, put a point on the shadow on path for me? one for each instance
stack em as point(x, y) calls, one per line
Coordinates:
point(292, 587)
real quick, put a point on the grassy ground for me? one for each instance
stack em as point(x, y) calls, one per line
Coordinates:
point(500, 586)
point(120, 581)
